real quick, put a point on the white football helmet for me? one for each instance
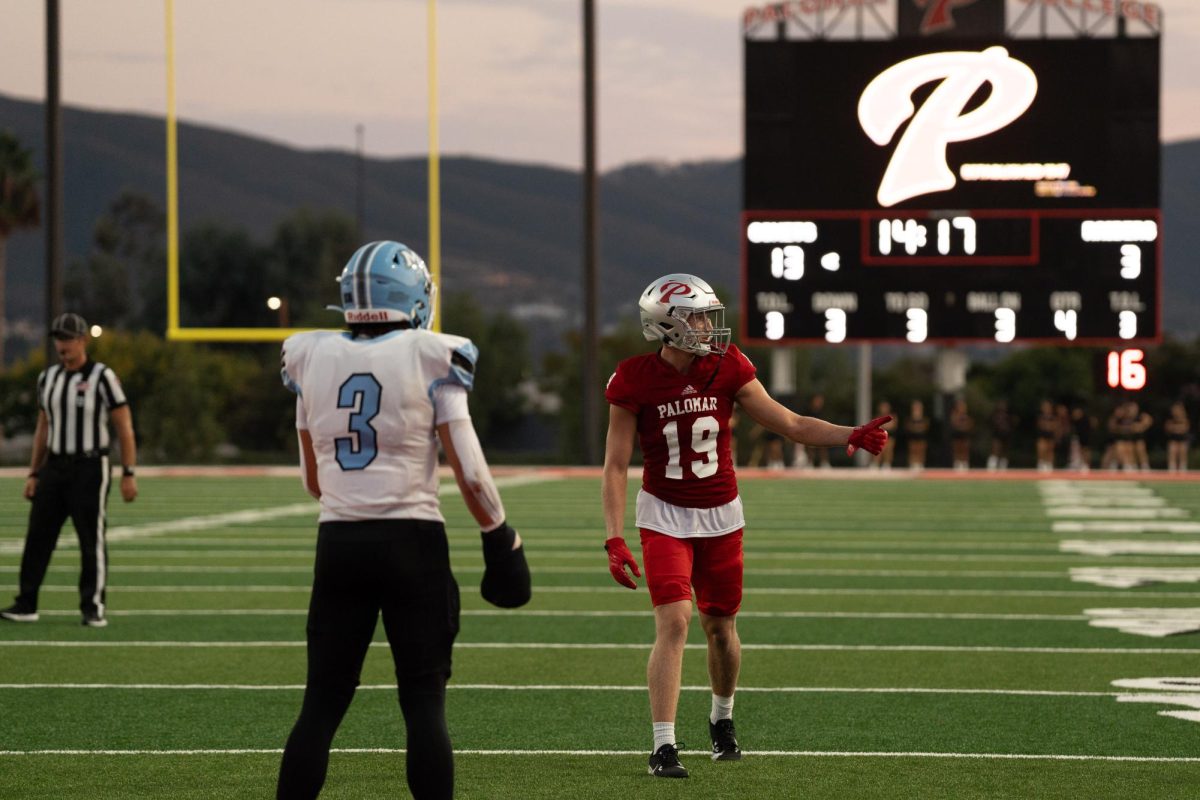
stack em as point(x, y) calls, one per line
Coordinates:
point(682, 311)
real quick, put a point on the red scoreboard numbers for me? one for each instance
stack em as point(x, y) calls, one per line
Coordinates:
point(1126, 370)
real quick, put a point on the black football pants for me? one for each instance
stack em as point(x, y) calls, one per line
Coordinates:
point(75, 488)
point(402, 568)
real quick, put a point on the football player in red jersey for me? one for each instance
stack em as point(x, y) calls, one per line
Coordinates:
point(677, 401)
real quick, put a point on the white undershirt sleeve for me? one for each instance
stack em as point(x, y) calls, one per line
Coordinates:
point(449, 403)
point(476, 475)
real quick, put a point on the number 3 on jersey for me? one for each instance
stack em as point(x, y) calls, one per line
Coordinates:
point(360, 392)
point(704, 443)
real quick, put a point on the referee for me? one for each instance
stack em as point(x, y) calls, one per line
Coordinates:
point(69, 473)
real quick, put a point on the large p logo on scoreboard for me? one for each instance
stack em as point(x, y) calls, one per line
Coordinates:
point(918, 165)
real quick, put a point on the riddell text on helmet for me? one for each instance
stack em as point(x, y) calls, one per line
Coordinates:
point(372, 315)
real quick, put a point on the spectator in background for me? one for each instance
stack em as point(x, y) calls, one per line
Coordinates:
point(962, 425)
point(1062, 439)
point(1178, 429)
point(817, 456)
point(1002, 427)
point(916, 433)
point(1139, 423)
point(1114, 451)
point(768, 448)
point(1082, 425)
point(883, 460)
point(1047, 435)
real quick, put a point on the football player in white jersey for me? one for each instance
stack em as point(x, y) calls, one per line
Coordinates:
point(371, 406)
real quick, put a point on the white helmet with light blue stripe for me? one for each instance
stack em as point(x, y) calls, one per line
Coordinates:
point(386, 282)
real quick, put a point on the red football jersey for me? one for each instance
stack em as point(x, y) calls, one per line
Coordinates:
point(683, 423)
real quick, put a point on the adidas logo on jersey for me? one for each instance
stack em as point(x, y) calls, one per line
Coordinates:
point(689, 389)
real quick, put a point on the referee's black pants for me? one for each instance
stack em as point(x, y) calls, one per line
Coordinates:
point(77, 488)
point(402, 568)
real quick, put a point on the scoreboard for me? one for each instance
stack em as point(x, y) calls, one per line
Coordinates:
point(952, 190)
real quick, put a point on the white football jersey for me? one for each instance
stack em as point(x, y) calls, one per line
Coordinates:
point(369, 405)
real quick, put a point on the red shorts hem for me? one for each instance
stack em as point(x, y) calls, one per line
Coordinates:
point(712, 566)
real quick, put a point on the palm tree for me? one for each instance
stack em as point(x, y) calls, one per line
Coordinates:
point(19, 207)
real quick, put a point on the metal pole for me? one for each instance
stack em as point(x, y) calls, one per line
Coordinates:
point(591, 383)
point(863, 397)
point(54, 174)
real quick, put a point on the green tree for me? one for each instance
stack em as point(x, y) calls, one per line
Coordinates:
point(304, 258)
point(19, 208)
point(497, 404)
point(564, 376)
point(222, 279)
point(122, 283)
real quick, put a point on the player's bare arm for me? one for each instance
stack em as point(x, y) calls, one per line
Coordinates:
point(122, 419)
point(618, 450)
point(41, 436)
point(769, 413)
point(774, 416)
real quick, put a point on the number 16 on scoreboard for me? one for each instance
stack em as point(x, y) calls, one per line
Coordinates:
point(1126, 370)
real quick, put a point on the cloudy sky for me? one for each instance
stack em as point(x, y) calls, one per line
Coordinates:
point(305, 72)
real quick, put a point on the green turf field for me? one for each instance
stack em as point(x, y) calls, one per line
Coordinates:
point(902, 638)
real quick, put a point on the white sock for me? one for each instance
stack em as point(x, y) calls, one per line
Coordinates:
point(722, 708)
point(664, 733)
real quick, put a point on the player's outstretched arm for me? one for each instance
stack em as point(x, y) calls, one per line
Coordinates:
point(772, 415)
point(506, 582)
point(769, 413)
point(618, 450)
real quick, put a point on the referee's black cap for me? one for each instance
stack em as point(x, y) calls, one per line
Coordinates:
point(69, 326)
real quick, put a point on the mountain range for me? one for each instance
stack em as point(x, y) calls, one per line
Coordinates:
point(511, 232)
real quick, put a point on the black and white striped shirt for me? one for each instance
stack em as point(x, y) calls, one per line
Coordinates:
point(77, 404)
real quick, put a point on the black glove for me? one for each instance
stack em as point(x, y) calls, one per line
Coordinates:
point(505, 573)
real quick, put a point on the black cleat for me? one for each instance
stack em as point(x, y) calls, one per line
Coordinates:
point(94, 620)
point(724, 741)
point(664, 762)
point(17, 613)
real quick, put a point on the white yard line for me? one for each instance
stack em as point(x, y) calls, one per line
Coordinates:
point(1141, 547)
point(589, 554)
point(861, 648)
point(565, 687)
point(589, 570)
point(773, 753)
point(487, 612)
point(128, 589)
point(125, 533)
point(1104, 526)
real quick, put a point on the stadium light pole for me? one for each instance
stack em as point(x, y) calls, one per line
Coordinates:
point(591, 384)
point(54, 173)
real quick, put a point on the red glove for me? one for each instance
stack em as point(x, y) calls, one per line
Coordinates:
point(619, 557)
point(869, 437)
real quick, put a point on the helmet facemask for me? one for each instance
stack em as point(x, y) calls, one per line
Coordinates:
point(702, 331)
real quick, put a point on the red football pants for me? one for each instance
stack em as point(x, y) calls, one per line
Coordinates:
point(711, 564)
